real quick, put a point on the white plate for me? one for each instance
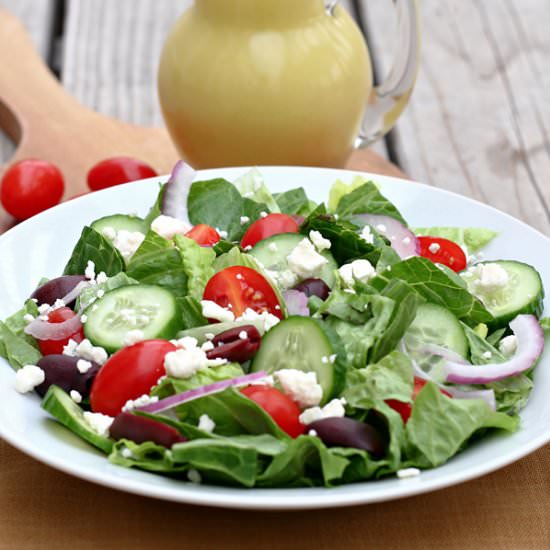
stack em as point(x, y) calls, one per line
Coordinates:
point(41, 246)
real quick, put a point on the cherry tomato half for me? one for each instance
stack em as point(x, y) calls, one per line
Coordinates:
point(55, 347)
point(405, 409)
point(204, 235)
point(272, 224)
point(284, 411)
point(128, 374)
point(240, 288)
point(117, 170)
point(31, 186)
point(443, 251)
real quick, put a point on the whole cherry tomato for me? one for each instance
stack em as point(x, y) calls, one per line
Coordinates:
point(55, 347)
point(284, 411)
point(405, 409)
point(443, 251)
point(128, 374)
point(31, 186)
point(272, 224)
point(204, 235)
point(117, 170)
point(240, 288)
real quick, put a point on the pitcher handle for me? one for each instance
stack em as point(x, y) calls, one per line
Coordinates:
point(388, 100)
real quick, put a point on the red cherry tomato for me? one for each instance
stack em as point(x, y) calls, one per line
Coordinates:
point(284, 411)
point(31, 186)
point(117, 170)
point(128, 374)
point(240, 288)
point(55, 347)
point(204, 235)
point(443, 251)
point(272, 224)
point(405, 409)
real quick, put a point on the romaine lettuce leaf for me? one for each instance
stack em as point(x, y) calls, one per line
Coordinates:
point(16, 349)
point(191, 312)
point(294, 201)
point(474, 238)
point(339, 189)
point(197, 264)
point(146, 456)
point(252, 186)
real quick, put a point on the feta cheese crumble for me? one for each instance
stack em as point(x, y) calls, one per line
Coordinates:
point(100, 423)
point(434, 248)
point(491, 277)
point(301, 386)
point(188, 359)
point(83, 366)
point(133, 337)
point(168, 227)
point(406, 473)
point(267, 319)
point(272, 247)
point(206, 424)
point(304, 260)
point(75, 396)
point(319, 241)
point(487, 355)
point(28, 377)
point(211, 310)
point(85, 350)
point(508, 345)
point(89, 272)
point(333, 409)
point(127, 242)
point(244, 220)
point(358, 270)
point(367, 235)
point(140, 401)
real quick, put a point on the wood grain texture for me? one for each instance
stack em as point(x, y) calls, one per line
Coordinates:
point(478, 123)
point(37, 16)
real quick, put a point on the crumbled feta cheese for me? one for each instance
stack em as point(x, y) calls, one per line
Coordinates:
point(167, 227)
point(272, 247)
point(367, 235)
point(265, 381)
point(434, 248)
point(28, 318)
point(133, 337)
point(319, 241)
point(243, 335)
point(127, 242)
point(70, 348)
point(109, 233)
point(188, 359)
point(140, 401)
point(487, 355)
point(508, 345)
point(87, 351)
point(100, 293)
point(99, 422)
point(209, 335)
point(244, 220)
point(75, 396)
point(206, 424)
point(263, 214)
point(284, 278)
point(83, 319)
point(194, 476)
point(127, 453)
point(247, 248)
point(43, 309)
point(207, 346)
point(301, 386)
point(304, 260)
point(211, 310)
point(381, 227)
point(358, 270)
point(312, 433)
point(405, 473)
point(334, 408)
point(89, 272)
point(59, 303)
point(223, 234)
point(268, 319)
point(28, 377)
point(101, 278)
point(491, 277)
point(187, 342)
point(83, 366)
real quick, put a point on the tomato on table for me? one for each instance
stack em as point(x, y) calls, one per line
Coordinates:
point(443, 251)
point(55, 347)
point(128, 374)
point(284, 411)
point(272, 224)
point(31, 186)
point(203, 234)
point(117, 170)
point(405, 409)
point(239, 288)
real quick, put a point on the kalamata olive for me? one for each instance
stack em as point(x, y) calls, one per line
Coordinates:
point(237, 345)
point(56, 289)
point(347, 432)
point(313, 287)
point(62, 371)
point(140, 429)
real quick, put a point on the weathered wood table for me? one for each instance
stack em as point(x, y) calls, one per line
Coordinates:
point(478, 124)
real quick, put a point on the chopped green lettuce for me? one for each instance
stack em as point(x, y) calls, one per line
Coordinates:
point(339, 189)
point(252, 186)
point(197, 263)
point(474, 238)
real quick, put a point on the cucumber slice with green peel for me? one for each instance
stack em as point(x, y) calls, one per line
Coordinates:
point(119, 222)
point(217, 328)
point(61, 406)
point(522, 293)
point(304, 344)
point(434, 324)
point(151, 309)
point(272, 253)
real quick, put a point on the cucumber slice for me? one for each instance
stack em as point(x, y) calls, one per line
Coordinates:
point(217, 328)
point(434, 324)
point(118, 222)
point(151, 309)
point(272, 254)
point(61, 406)
point(304, 344)
point(523, 293)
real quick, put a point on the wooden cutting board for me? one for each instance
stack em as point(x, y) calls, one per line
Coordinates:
point(47, 123)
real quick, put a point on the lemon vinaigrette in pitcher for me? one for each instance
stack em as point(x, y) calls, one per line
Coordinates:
point(245, 82)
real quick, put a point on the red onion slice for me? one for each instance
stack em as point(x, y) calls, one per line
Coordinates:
point(75, 292)
point(296, 302)
point(530, 338)
point(195, 393)
point(402, 239)
point(42, 330)
point(174, 200)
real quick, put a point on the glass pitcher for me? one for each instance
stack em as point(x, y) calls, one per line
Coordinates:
point(270, 82)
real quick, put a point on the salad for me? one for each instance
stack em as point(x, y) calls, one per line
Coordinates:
point(239, 337)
